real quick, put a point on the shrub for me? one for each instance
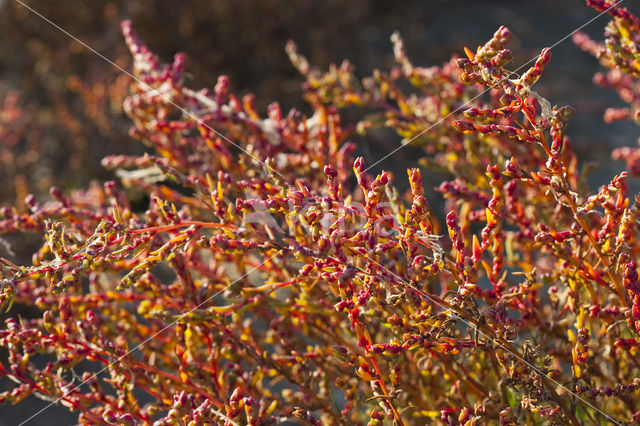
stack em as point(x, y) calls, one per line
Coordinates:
point(272, 277)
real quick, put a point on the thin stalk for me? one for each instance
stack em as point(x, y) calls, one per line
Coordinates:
point(396, 414)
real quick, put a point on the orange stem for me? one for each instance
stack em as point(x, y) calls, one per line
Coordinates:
point(185, 223)
point(384, 391)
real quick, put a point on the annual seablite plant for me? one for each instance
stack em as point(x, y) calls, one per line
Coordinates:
point(273, 278)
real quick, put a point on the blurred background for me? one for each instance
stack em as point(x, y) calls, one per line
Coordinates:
point(60, 104)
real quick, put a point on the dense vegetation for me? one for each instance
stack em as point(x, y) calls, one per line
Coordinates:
point(271, 277)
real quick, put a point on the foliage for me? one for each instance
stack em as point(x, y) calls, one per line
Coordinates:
point(272, 277)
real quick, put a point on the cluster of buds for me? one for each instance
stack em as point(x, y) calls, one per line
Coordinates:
point(631, 283)
point(621, 37)
point(619, 390)
point(280, 281)
point(619, 53)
